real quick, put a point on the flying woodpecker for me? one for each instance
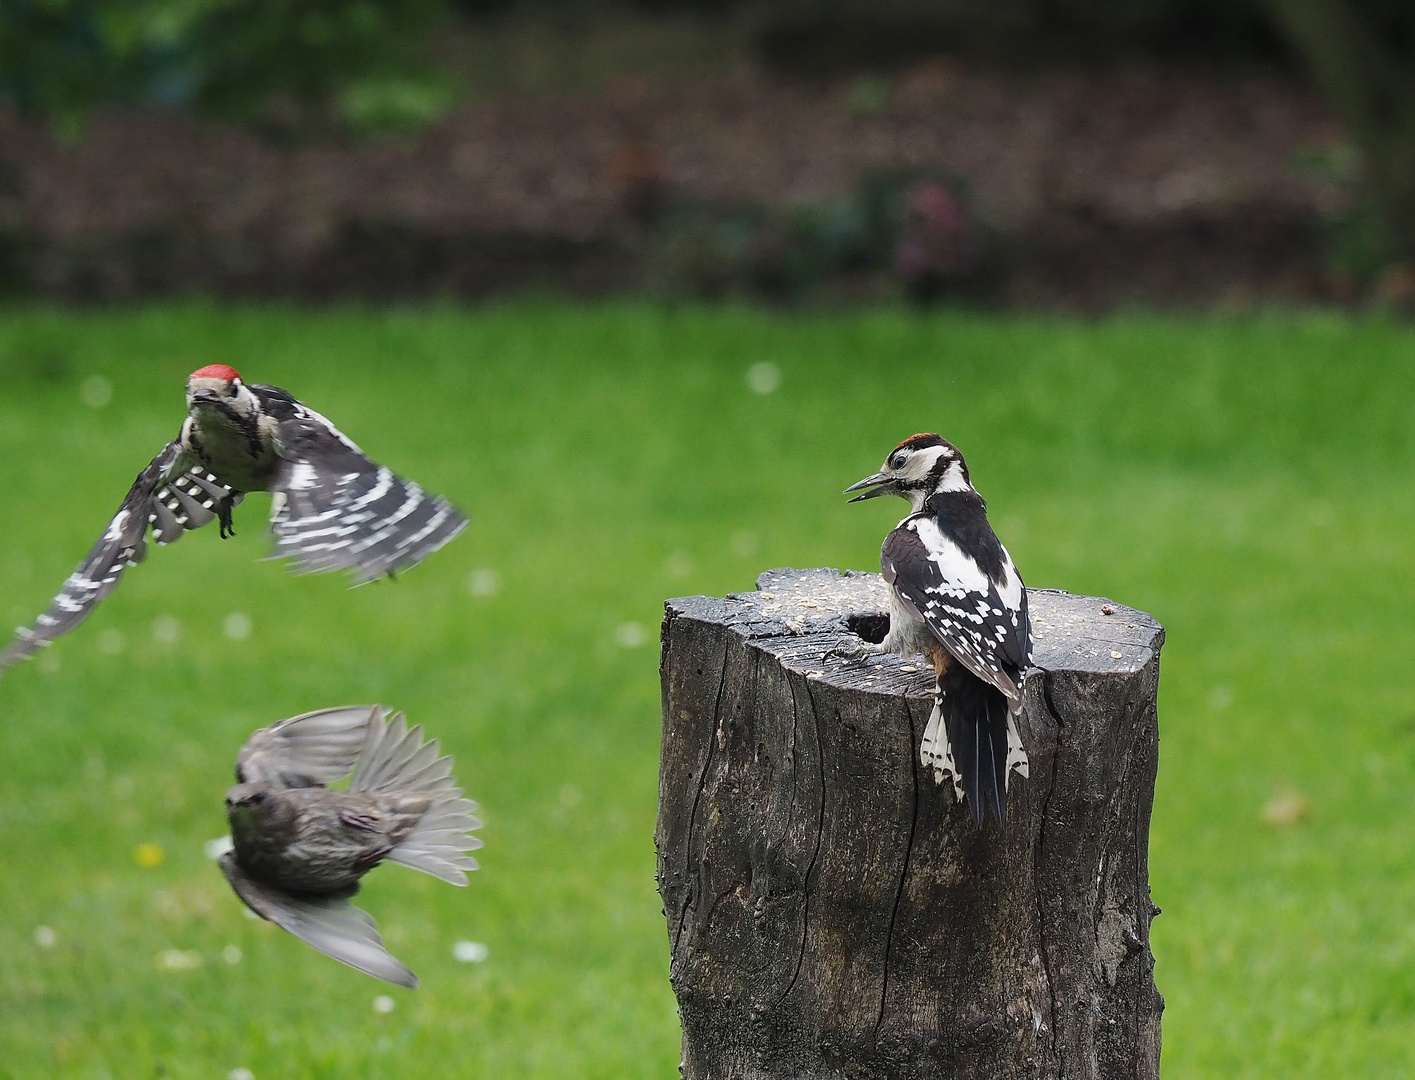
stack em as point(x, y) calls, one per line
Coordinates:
point(300, 848)
point(331, 508)
point(955, 596)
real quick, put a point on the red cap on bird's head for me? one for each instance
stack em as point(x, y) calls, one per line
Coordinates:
point(215, 371)
point(918, 442)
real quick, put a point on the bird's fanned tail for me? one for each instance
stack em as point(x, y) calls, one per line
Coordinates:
point(396, 762)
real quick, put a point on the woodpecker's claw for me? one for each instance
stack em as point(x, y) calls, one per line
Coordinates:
point(223, 515)
point(850, 647)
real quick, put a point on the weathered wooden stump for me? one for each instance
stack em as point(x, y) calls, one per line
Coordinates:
point(833, 912)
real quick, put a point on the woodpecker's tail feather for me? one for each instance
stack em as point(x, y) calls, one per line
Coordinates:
point(972, 738)
point(396, 762)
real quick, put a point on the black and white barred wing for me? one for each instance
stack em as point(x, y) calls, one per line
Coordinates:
point(330, 924)
point(171, 496)
point(335, 509)
point(982, 622)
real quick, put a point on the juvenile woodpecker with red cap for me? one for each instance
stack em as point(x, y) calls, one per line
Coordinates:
point(332, 508)
point(955, 596)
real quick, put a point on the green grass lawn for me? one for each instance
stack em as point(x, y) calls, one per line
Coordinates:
point(1249, 481)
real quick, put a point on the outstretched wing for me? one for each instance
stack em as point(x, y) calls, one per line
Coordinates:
point(314, 748)
point(172, 496)
point(335, 509)
point(981, 621)
point(333, 926)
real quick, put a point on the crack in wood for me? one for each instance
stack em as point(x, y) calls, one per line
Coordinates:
point(820, 834)
point(1039, 862)
point(697, 799)
point(903, 873)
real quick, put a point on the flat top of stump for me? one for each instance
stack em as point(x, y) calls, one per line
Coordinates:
point(799, 615)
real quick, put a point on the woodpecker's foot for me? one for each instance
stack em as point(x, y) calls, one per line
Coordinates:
point(851, 647)
point(223, 515)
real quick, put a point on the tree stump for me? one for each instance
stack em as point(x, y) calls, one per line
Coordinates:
point(834, 912)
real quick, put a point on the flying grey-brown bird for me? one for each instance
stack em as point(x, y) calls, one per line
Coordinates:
point(300, 848)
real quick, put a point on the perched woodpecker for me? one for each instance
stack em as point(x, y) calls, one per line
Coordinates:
point(331, 508)
point(299, 848)
point(955, 596)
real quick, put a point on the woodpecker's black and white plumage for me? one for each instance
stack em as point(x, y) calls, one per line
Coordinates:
point(956, 597)
point(332, 508)
point(300, 848)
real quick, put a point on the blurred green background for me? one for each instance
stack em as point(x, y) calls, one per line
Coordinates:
point(1244, 476)
point(1246, 480)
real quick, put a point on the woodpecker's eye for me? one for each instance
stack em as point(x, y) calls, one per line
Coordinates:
point(232, 387)
point(897, 461)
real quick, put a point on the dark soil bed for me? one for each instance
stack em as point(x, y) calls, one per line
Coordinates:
point(1086, 190)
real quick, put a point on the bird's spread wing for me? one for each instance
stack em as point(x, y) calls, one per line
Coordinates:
point(333, 926)
point(981, 621)
point(172, 496)
point(314, 748)
point(335, 509)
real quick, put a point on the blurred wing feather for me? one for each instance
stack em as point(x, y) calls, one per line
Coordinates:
point(151, 500)
point(334, 509)
point(333, 926)
point(313, 748)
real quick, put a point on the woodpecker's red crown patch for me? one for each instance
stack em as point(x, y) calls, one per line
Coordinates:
point(916, 442)
point(215, 371)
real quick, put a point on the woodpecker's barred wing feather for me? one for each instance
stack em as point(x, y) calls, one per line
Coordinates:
point(172, 496)
point(335, 509)
point(333, 926)
point(396, 760)
point(981, 619)
point(988, 633)
point(313, 748)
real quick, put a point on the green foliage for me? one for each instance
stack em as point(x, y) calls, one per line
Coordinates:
point(1246, 480)
point(235, 58)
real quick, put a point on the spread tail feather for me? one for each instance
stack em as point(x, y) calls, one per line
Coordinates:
point(395, 760)
point(972, 738)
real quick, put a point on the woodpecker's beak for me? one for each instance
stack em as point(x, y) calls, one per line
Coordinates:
point(203, 394)
point(880, 483)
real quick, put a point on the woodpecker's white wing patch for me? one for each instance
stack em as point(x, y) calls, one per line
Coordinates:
point(313, 748)
point(172, 497)
point(989, 633)
point(333, 926)
point(335, 509)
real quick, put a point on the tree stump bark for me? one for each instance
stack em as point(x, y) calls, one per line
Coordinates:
point(833, 912)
